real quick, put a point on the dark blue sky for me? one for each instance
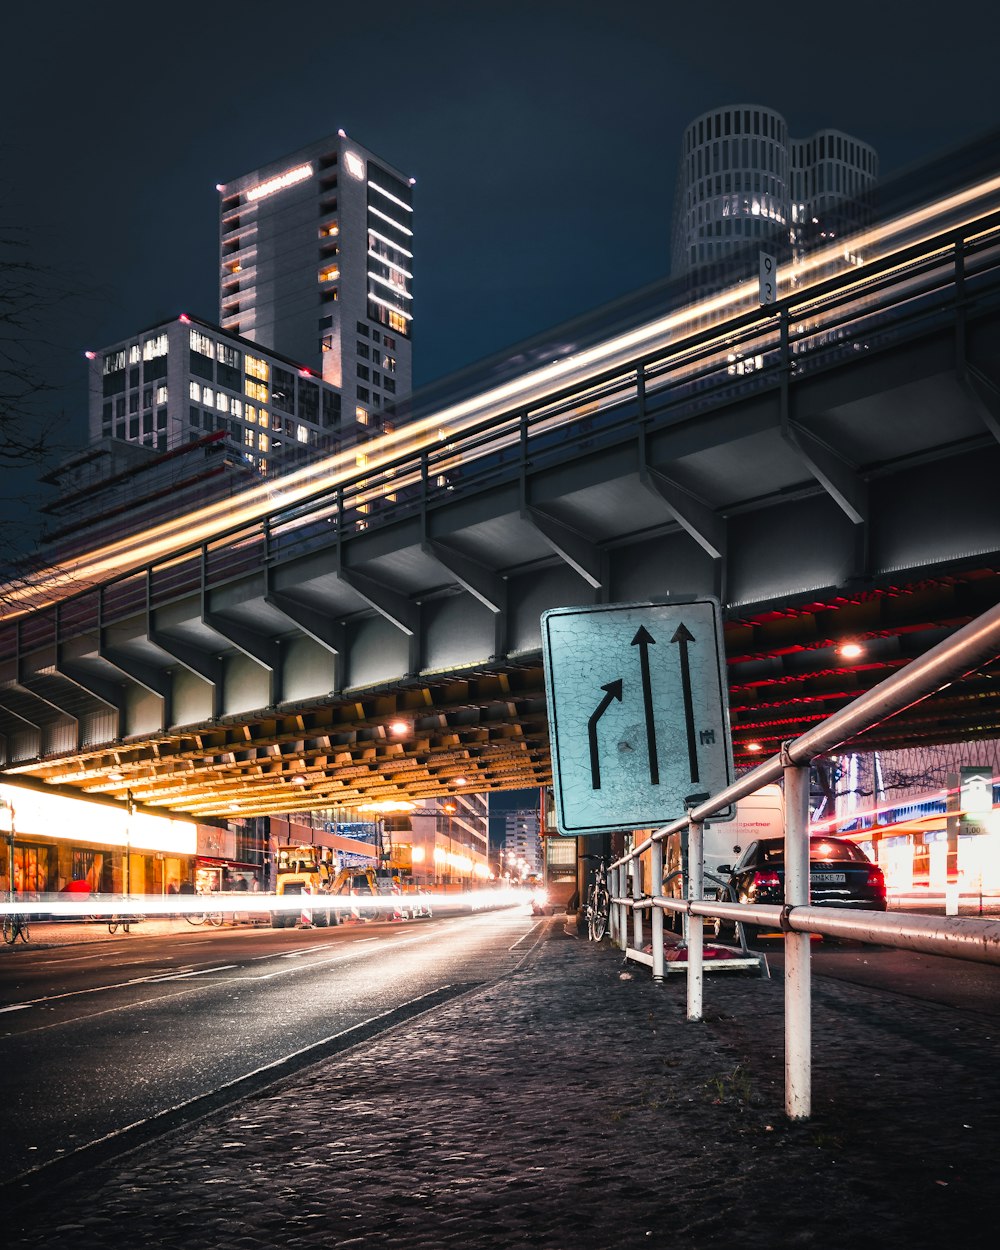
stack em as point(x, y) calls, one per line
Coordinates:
point(543, 136)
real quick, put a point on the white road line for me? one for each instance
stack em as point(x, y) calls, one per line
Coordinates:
point(15, 1007)
point(180, 976)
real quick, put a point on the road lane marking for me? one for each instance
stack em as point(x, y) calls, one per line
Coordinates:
point(180, 976)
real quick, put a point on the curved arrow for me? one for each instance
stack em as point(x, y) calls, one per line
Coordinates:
point(642, 640)
point(682, 636)
point(614, 691)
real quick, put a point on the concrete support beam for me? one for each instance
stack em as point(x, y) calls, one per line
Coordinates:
point(705, 526)
point(986, 396)
point(838, 478)
point(313, 623)
point(583, 556)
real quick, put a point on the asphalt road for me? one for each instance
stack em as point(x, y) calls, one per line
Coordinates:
point(97, 1038)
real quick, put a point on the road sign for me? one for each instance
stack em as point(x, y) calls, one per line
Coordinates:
point(767, 279)
point(638, 716)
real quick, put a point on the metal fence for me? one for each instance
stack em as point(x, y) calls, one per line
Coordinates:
point(965, 938)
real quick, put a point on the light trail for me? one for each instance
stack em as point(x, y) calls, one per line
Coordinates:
point(104, 907)
point(162, 541)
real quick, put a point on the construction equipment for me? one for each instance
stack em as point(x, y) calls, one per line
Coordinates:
point(310, 871)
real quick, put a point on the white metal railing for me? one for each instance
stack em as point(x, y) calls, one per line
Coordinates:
point(964, 938)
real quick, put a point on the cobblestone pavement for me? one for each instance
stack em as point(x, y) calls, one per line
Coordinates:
point(571, 1106)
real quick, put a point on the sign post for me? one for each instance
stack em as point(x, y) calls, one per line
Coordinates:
point(638, 716)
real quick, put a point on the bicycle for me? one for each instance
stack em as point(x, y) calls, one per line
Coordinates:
point(598, 904)
point(115, 921)
point(214, 918)
point(14, 927)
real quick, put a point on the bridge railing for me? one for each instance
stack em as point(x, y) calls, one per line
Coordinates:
point(962, 653)
point(944, 280)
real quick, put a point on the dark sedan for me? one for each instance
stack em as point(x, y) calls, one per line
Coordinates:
point(840, 875)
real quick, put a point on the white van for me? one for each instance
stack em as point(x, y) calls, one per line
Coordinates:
point(759, 815)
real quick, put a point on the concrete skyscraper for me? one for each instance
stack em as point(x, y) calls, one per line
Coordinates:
point(316, 262)
point(743, 180)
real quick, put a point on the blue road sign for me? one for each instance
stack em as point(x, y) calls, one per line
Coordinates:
point(638, 715)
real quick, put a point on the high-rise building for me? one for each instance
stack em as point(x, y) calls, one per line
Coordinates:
point(316, 262)
point(179, 380)
point(523, 843)
point(744, 181)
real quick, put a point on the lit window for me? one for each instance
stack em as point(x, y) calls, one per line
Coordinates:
point(398, 322)
point(134, 354)
point(194, 390)
point(361, 415)
point(251, 414)
point(302, 434)
point(248, 438)
point(256, 367)
point(329, 274)
point(221, 402)
point(263, 442)
point(255, 390)
point(235, 407)
point(201, 343)
point(208, 396)
point(114, 362)
point(227, 355)
point(154, 347)
point(161, 394)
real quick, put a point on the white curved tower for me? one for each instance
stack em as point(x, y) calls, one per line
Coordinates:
point(743, 180)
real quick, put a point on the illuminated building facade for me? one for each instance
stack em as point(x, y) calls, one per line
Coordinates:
point(316, 262)
point(181, 380)
point(522, 843)
point(743, 181)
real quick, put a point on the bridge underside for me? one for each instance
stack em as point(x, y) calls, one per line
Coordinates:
point(318, 665)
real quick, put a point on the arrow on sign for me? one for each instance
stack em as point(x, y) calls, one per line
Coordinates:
point(642, 640)
point(613, 691)
point(682, 636)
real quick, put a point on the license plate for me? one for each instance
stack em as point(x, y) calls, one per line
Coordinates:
point(828, 878)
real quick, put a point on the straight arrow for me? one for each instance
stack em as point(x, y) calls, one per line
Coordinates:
point(682, 636)
point(642, 640)
point(613, 691)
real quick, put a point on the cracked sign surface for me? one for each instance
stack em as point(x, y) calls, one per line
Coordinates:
point(638, 716)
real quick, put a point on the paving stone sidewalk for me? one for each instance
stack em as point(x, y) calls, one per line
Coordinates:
point(571, 1106)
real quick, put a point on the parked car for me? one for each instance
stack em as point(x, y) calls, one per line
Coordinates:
point(840, 875)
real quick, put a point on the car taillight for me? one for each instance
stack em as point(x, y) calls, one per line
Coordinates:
point(876, 880)
point(762, 880)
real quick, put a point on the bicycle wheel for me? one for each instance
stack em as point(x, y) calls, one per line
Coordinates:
point(9, 930)
point(193, 918)
point(214, 918)
point(602, 907)
point(112, 925)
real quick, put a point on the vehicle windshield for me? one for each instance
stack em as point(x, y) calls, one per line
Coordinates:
point(820, 850)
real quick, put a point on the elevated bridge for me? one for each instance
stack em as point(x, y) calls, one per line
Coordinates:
point(368, 628)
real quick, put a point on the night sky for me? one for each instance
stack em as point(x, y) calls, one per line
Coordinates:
point(543, 136)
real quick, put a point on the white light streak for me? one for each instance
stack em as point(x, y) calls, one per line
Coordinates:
point(389, 196)
point(382, 238)
point(391, 220)
point(403, 294)
point(162, 541)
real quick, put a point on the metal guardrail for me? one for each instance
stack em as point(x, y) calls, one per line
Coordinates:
point(941, 281)
point(965, 938)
